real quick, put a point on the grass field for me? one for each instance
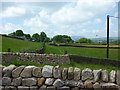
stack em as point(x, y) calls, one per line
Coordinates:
point(18, 45)
point(92, 52)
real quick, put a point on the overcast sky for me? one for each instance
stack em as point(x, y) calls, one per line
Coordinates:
point(80, 18)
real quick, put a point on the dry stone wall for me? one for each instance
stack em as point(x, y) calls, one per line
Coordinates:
point(37, 58)
point(55, 78)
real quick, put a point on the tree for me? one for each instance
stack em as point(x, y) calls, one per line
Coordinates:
point(19, 33)
point(47, 39)
point(62, 39)
point(84, 40)
point(66, 38)
point(27, 36)
point(12, 34)
point(43, 37)
point(35, 37)
point(57, 38)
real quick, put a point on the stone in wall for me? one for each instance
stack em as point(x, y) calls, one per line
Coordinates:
point(6, 81)
point(29, 82)
point(43, 87)
point(104, 76)
point(64, 73)
point(10, 88)
point(1, 73)
point(17, 81)
point(70, 73)
point(88, 84)
point(1, 70)
point(2, 87)
point(49, 81)
point(58, 83)
point(75, 88)
point(64, 88)
point(77, 74)
point(109, 85)
point(87, 74)
point(16, 72)
point(27, 72)
point(47, 71)
point(37, 72)
point(71, 83)
point(57, 72)
point(23, 88)
point(118, 77)
point(96, 86)
point(7, 71)
point(41, 81)
point(97, 74)
point(34, 88)
point(80, 84)
point(51, 88)
point(112, 76)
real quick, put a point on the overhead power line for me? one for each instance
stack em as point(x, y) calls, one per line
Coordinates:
point(115, 17)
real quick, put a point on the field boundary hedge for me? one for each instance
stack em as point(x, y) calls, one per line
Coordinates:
point(84, 59)
point(84, 46)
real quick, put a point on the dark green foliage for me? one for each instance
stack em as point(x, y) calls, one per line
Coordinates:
point(85, 40)
point(43, 37)
point(12, 34)
point(35, 37)
point(47, 39)
point(62, 39)
point(19, 33)
point(28, 37)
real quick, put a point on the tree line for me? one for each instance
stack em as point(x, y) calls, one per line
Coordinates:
point(42, 37)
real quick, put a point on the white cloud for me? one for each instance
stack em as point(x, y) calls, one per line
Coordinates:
point(44, 17)
point(71, 18)
point(98, 20)
point(116, 14)
point(36, 26)
point(82, 12)
point(78, 18)
point(35, 22)
point(13, 12)
point(8, 28)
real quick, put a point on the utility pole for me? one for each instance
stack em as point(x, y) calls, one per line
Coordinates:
point(107, 52)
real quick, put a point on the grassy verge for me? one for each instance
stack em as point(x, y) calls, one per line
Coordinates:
point(72, 64)
point(18, 45)
point(92, 52)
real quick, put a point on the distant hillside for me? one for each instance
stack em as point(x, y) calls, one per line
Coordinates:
point(76, 37)
point(17, 45)
point(104, 39)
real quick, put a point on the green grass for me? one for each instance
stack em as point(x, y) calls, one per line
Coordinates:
point(87, 44)
point(18, 45)
point(72, 64)
point(92, 52)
